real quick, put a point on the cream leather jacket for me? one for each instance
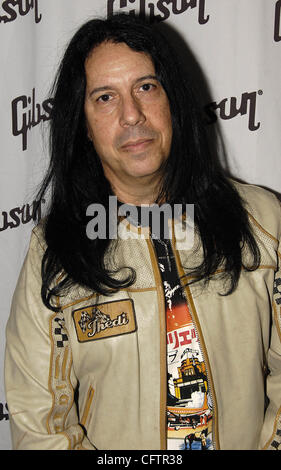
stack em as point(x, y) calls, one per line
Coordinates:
point(93, 376)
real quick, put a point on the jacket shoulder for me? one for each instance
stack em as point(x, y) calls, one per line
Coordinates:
point(263, 206)
point(38, 246)
point(38, 237)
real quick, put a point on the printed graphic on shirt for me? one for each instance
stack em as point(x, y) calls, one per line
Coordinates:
point(189, 409)
point(189, 406)
point(104, 320)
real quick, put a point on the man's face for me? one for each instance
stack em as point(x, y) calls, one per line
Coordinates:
point(127, 113)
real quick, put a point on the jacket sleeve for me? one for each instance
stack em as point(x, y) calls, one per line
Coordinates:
point(271, 433)
point(39, 377)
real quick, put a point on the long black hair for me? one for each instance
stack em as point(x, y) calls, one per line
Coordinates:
point(192, 173)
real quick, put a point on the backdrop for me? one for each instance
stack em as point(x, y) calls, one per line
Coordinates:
point(232, 48)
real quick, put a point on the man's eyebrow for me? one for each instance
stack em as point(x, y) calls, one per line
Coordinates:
point(146, 77)
point(109, 87)
point(101, 88)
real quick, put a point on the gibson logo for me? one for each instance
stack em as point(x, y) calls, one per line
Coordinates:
point(277, 21)
point(104, 320)
point(24, 7)
point(229, 108)
point(160, 10)
point(21, 215)
point(26, 114)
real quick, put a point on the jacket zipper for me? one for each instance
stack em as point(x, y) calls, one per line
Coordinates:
point(163, 345)
point(209, 377)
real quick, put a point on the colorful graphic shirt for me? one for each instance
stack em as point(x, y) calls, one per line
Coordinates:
point(189, 406)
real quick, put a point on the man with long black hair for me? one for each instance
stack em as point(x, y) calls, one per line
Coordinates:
point(133, 341)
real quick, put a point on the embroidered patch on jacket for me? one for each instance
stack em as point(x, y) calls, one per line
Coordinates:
point(60, 335)
point(105, 320)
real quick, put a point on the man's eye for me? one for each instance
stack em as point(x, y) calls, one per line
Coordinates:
point(147, 87)
point(104, 98)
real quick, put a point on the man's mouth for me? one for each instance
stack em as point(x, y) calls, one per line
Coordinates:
point(135, 145)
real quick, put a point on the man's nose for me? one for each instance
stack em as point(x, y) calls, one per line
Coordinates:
point(131, 112)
